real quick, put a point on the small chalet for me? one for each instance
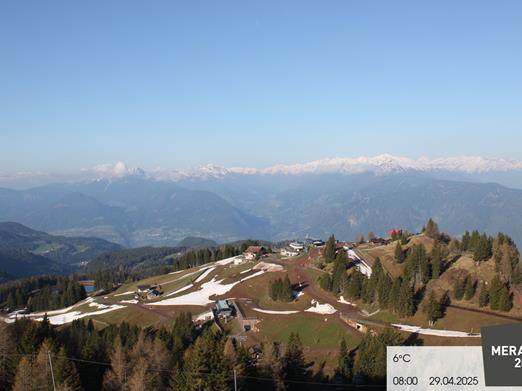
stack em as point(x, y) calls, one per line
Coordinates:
point(153, 293)
point(289, 252)
point(254, 252)
point(318, 243)
point(223, 309)
point(298, 246)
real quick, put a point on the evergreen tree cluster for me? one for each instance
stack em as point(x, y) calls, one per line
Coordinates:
point(396, 295)
point(177, 358)
point(500, 298)
point(370, 362)
point(329, 249)
point(41, 293)
point(281, 290)
point(479, 244)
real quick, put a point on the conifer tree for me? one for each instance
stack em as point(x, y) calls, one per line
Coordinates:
point(481, 248)
point(399, 253)
point(117, 376)
point(344, 362)
point(465, 242)
point(432, 309)
point(406, 307)
point(459, 288)
point(7, 356)
point(432, 230)
point(65, 372)
point(484, 295)
point(329, 250)
point(469, 289)
point(499, 296)
point(436, 260)
point(24, 379)
point(294, 364)
point(354, 286)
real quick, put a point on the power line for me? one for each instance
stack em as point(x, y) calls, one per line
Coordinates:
point(230, 376)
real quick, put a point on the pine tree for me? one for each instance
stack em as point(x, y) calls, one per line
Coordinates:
point(65, 372)
point(395, 292)
point(325, 282)
point(484, 295)
point(469, 289)
point(7, 356)
point(436, 260)
point(432, 230)
point(276, 369)
point(481, 248)
point(294, 364)
point(329, 249)
point(459, 288)
point(499, 296)
point(432, 309)
point(24, 379)
point(406, 307)
point(465, 242)
point(416, 269)
point(344, 362)
point(353, 289)
point(399, 253)
point(205, 365)
point(116, 377)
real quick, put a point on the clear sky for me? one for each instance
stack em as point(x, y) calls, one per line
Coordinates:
point(253, 83)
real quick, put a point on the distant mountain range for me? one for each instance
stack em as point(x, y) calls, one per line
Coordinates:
point(347, 197)
point(25, 252)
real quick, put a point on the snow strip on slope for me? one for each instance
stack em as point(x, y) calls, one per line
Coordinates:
point(226, 261)
point(49, 313)
point(439, 333)
point(98, 305)
point(201, 296)
point(275, 312)
point(205, 274)
point(125, 293)
point(180, 290)
point(133, 301)
point(70, 316)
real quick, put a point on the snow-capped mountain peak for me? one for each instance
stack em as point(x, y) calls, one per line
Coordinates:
point(380, 164)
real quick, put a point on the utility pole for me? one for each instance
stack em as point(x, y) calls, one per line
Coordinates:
point(51, 366)
point(235, 380)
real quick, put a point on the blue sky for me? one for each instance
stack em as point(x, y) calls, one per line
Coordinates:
point(178, 84)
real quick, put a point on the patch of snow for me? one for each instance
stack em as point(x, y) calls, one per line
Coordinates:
point(98, 305)
point(438, 333)
point(253, 275)
point(133, 301)
point(318, 308)
point(275, 312)
point(343, 301)
point(245, 271)
point(185, 276)
point(205, 274)
point(74, 315)
point(125, 293)
point(180, 290)
point(201, 296)
point(15, 314)
point(226, 261)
